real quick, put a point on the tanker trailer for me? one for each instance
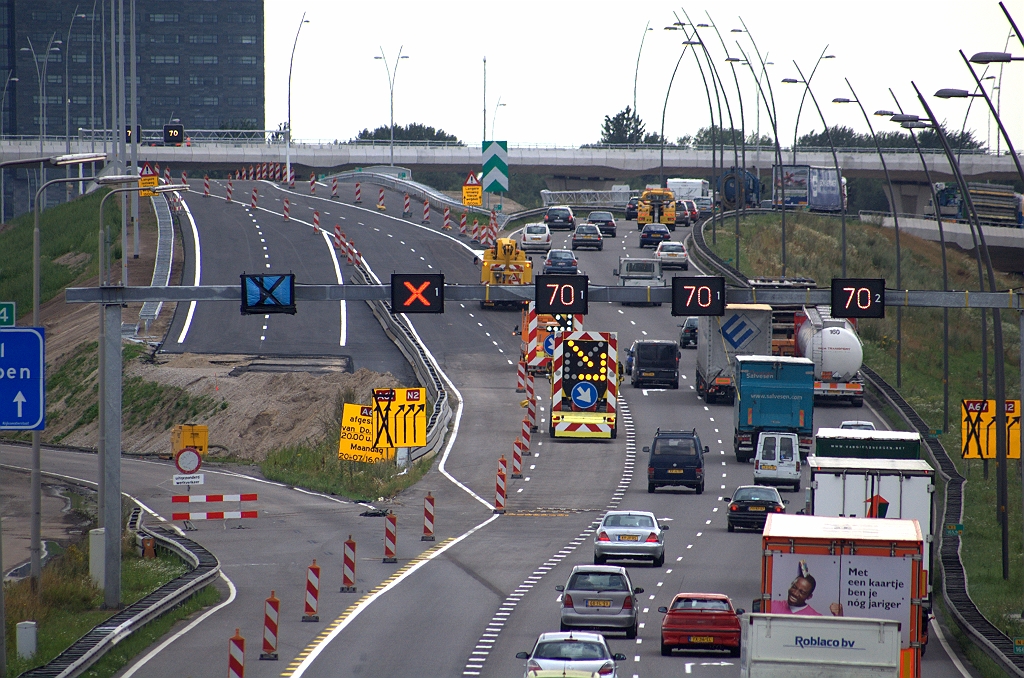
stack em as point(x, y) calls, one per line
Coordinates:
point(835, 349)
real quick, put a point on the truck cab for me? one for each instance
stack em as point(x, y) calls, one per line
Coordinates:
point(505, 264)
point(656, 206)
point(637, 272)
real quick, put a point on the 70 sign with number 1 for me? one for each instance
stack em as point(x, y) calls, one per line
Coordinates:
point(565, 294)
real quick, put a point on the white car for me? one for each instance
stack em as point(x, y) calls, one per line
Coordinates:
point(777, 461)
point(536, 237)
point(576, 651)
point(858, 425)
point(672, 255)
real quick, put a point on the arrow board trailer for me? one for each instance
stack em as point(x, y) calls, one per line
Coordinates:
point(584, 385)
point(874, 488)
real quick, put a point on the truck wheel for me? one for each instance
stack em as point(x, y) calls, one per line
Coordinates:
point(686, 267)
point(615, 433)
point(796, 486)
point(857, 402)
point(551, 430)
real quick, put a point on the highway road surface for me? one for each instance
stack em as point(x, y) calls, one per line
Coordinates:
point(466, 603)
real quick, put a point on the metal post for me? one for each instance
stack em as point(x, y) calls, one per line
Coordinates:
point(288, 132)
point(122, 115)
point(485, 99)
point(135, 141)
point(67, 98)
point(664, 108)
point(640, 51)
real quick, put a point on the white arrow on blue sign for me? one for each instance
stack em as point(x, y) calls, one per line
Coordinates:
point(584, 395)
point(22, 379)
point(549, 344)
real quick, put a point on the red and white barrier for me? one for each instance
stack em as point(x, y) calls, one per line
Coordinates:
point(316, 221)
point(167, 175)
point(206, 186)
point(462, 224)
point(278, 173)
point(348, 570)
point(524, 438)
point(517, 460)
point(184, 177)
point(287, 209)
point(236, 656)
point(265, 171)
point(503, 465)
point(337, 237)
point(312, 593)
point(447, 219)
point(390, 538)
point(312, 183)
point(334, 187)
point(291, 178)
point(531, 401)
point(213, 498)
point(252, 203)
point(499, 493)
point(230, 188)
point(380, 200)
point(156, 168)
point(476, 231)
point(428, 518)
point(407, 210)
point(271, 619)
point(426, 211)
point(521, 377)
point(252, 173)
point(359, 194)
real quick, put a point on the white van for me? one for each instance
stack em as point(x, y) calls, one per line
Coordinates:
point(777, 461)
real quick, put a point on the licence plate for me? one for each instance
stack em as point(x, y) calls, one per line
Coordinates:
point(599, 603)
point(647, 374)
point(677, 470)
point(755, 508)
point(702, 639)
point(628, 537)
point(767, 467)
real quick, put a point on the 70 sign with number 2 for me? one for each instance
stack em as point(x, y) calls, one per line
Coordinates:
point(858, 298)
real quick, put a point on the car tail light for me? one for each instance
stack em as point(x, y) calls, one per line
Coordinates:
point(603, 537)
point(533, 666)
point(700, 471)
point(606, 670)
point(734, 507)
point(806, 442)
point(650, 471)
point(652, 538)
point(779, 509)
point(545, 217)
point(627, 604)
point(757, 464)
point(567, 601)
point(798, 467)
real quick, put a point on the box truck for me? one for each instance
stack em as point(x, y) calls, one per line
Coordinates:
point(853, 443)
point(773, 393)
point(745, 329)
point(814, 188)
point(817, 566)
point(790, 646)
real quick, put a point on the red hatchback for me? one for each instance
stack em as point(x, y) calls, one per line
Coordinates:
point(700, 621)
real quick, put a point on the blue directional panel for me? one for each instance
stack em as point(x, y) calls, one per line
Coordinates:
point(22, 379)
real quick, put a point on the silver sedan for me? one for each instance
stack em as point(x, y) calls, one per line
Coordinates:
point(630, 535)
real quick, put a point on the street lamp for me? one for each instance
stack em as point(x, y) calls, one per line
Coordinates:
point(668, 90)
point(495, 116)
point(3, 192)
point(391, 87)
point(288, 132)
point(800, 109)
point(41, 79)
point(67, 92)
point(896, 225)
point(638, 53)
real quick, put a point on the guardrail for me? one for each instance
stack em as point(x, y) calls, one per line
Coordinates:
point(878, 217)
point(954, 578)
point(401, 331)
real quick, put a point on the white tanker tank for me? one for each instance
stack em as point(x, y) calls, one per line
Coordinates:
point(836, 350)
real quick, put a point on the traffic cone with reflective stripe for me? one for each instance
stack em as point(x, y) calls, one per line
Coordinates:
point(348, 571)
point(236, 655)
point(312, 593)
point(271, 618)
point(428, 518)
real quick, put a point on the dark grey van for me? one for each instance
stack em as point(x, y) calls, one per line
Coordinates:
point(676, 458)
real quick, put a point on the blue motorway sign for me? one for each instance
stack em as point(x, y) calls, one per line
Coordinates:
point(584, 395)
point(549, 344)
point(22, 379)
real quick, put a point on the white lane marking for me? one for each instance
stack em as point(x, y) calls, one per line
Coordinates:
point(198, 258)
point(949, 651)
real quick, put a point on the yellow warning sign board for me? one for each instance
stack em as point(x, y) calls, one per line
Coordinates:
point(473, 196)
point(355, 442)
point(148, 179)
point(978, 429)
point(399, 417)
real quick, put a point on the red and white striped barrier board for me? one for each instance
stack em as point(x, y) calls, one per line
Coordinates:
point(475, 235)
point(287, 209)
point(407, 210)
point(337, 237)
point(206, 186)
point(291, 178)
point(447, 219)
point(215, 515)
point(524, 437)
point(316, 221)
point(390, 538)
point(184, 178)
point(521, 377)
point(251, 174)
point(334, 187)
point(380, 200)
point(167, 175)
point(426, 211)
point(266, 171)
point(517, 460)
point(312, 593)
point(359, 194)
point(277, 172)
point(236, 656)
point(428, 518)
point(156, 168)
point(312, 183)
point(503, 465)
point(271, 619)
point(348, 570)
point(230, 188)
point(252, 204)
point(499, 493)
point(211, 498)
point(462, 224)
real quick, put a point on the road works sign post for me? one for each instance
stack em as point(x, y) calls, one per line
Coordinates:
point(357, 433)
point(399, 417)
point(495, 166)
point(978, 433)
point(22, 379)
point(472, 192)
point(148, 179)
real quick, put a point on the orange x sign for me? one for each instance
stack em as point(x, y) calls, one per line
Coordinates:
point(417, 293)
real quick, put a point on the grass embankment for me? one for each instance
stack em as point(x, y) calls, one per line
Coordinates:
point(68, 605)
point(315, 464)
point(813, 250)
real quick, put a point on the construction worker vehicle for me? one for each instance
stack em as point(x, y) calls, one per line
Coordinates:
point(656, 206)
point(505, 264)
point(538, 339)
point(584, 385)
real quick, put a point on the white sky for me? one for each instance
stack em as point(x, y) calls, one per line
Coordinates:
point(560, 66)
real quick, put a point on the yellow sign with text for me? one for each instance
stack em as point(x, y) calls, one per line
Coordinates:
point(148, 182)
point(399, 417)
point(978, 429)
point(355, 443)
point(473, 196)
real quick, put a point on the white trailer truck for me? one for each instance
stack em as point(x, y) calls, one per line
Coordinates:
point(745, 329)
point(837, 352)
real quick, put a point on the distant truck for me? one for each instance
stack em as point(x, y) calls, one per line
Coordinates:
point(813, 566)
point(785, 645)
point(773, 393)
point(837, 352)
point(744, 329)
point(697, 190)
point(748, 184)
point(851, 443)
point(640, 272)
point(505, 264)
point(656, 206)
point(902, 489)
point(584, 385)
point(814, 188)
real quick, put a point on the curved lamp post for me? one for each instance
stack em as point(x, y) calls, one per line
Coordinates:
point(3, 191)
point(391, 86)
point(638, 53)
point(803, 98)
point(493, 117)
point(664, 108)
point(288, 132)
